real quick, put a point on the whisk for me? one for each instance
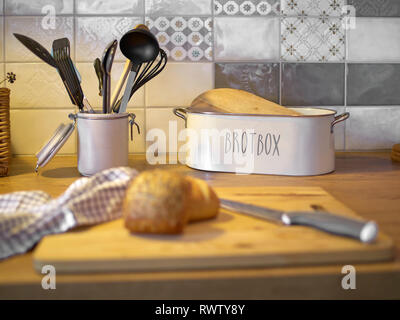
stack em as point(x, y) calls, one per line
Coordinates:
point(147, 72)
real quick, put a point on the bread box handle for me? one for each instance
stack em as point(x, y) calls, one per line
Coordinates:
point(181, 113)
point(341, 117)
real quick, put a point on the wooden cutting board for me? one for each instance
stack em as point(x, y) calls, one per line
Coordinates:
point(232, 240)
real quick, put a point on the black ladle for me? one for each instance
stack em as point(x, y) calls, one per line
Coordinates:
point(139, 46)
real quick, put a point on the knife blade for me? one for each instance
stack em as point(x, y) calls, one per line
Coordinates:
point(37, 49)
point(364, 231)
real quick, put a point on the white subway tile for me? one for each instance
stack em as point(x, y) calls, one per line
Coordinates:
point(178, 84)
point(374, 39)
point(30, 129)
point(372, 128)
point(246, 38)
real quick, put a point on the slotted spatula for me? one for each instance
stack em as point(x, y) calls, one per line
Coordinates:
point(61, 53)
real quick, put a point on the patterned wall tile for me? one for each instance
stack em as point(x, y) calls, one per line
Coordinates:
point(94, 33)
point(233, 41)
point(372, 128)
point(312, 7)
point(260, 79)
point(32, 27)
point(30, 129)
point(312, 39)
point(312, 84)
point(374, 8)
point(29, 7)
point(246, 8)
point(38, 86)
point(373, 84)
point(183, 38)
point(179, 84)
point(110, 7)
point(374, 39)
point(178, 7)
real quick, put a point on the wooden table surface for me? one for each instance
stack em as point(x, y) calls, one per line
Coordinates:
point(368, 183)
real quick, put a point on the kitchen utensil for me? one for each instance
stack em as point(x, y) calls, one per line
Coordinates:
point(263, 144)
point(124, 75)
point(325, 221)
point(232, 240)
point(147, 73)
point(99, 74)
point(106, 65)
point(139, 46)
point(68, 72)
point(121, 81)
point(37, 49)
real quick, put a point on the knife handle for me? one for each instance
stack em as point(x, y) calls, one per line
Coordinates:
point(358, 229)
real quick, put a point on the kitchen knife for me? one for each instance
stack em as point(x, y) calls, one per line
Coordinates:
point(365, 231)
point(37, 49)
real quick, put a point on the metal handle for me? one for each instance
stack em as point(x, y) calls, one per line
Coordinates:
point(339, 118)
point(133, 122)
point(358, 229)
point(181, 113)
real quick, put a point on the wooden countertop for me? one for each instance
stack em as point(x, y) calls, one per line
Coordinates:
point(368, 183)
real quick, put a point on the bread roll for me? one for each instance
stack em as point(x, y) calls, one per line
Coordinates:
point(161, 202)
point(228, 100)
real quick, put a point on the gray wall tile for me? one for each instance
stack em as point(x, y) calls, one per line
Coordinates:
point(372, 128)
point(375, 39)
point(233, 41)
point(316, 84)
point(178, 7)
point(246, 8)
point(374, 8)
point(260, 79)
point(110, 7)
point(34, 7)
point(373, 84)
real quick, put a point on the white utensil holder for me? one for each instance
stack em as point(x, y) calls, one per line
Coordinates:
point(103, 140)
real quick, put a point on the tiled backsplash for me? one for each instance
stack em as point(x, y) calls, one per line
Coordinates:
point(294, 52)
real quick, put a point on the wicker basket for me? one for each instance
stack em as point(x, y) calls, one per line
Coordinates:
point(5, 141)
